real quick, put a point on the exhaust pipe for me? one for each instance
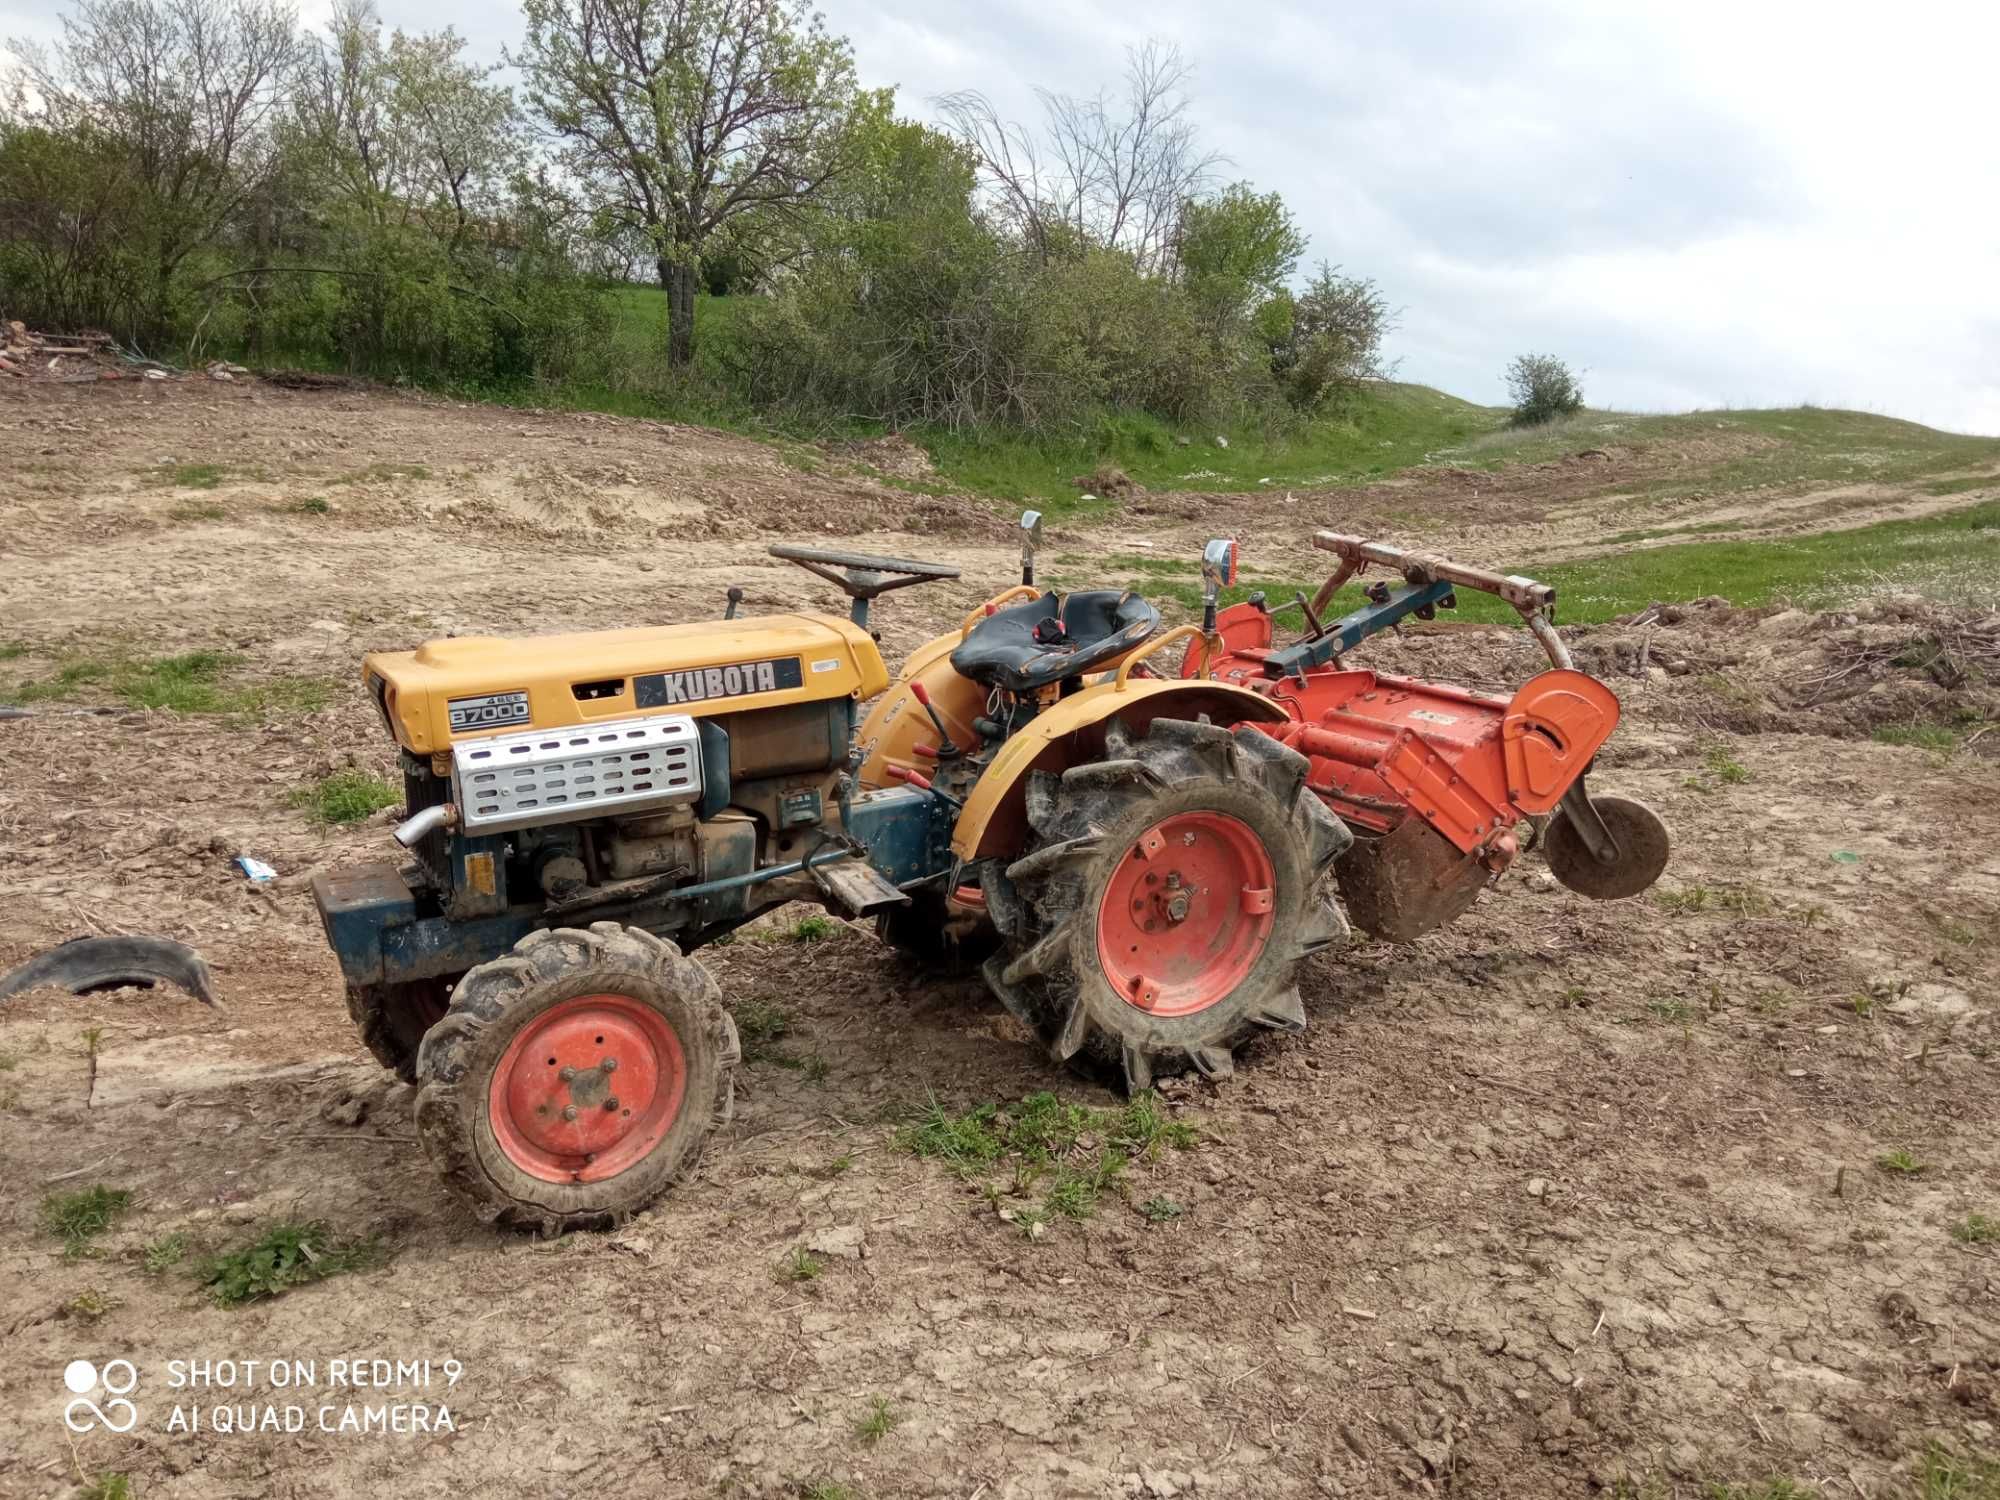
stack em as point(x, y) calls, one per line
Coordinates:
point(412, 832)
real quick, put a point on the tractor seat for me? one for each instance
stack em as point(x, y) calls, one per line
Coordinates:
point(1039, 641)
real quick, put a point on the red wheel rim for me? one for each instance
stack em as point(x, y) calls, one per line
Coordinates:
point(1186, 913)
point(587, 1089)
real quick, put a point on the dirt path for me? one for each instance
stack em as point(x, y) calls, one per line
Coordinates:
point(1566, 1196)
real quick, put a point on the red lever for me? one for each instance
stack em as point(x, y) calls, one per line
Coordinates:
point(904, 773)
point(928, 752)
point(921, 693)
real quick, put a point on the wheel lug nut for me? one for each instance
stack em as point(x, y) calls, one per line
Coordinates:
point(567, 1075)
point(569, 1112)
point(610, 1065)
point(611, 1105)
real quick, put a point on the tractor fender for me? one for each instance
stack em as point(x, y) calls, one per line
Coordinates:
point(1553, 725)
point(994, 818)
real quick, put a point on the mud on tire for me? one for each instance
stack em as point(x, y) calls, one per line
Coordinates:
point(1061, 905)
point(515, 1106)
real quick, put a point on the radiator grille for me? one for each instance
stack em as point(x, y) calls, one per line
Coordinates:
point(553, 776)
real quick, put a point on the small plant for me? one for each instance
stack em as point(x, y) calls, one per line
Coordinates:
point(1143, 1127)
point(283, 1257)
point(1542, 389)
point(10, 650)
point(1901, 1162)
point(106, 1487)
point(91, 1305)
point(1574, 998)
point(1672, 1010)
point(1723, 766)
point(78, 1218)
point(192, 512)
point(801, 1265)
point(1687, 898)
point(759, 1025)
point(840, 1165)
point(1864, 1005)
point(1032, 1222)
point(162, 1254)
point(812, 929)
point(1774, 1488)
point(314, 505)
point(1976, 1229)
point(879, 1421)
point(1161, 1210)
point(8, 1062)
point(347, 796)
point(827, 1489)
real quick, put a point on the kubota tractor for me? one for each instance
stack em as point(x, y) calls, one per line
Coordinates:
point(1144, 856)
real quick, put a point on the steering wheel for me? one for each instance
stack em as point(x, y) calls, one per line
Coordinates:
point(860, 575)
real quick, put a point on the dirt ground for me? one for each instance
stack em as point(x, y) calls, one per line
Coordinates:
point(1568, 1199)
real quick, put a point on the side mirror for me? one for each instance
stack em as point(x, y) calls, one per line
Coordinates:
point(1031, 537)
point(1218, 571)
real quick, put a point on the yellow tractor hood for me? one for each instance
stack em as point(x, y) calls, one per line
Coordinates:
point(464, 686)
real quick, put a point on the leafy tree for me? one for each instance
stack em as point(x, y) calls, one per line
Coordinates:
point(678, 117)
point(184, 91)
point(1542, 389)
point(1334, 341)
point(1235, 251)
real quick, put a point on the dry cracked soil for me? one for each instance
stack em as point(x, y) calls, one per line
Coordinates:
point(1569, 1199)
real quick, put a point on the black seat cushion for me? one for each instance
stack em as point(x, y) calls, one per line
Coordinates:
point(1039, 641)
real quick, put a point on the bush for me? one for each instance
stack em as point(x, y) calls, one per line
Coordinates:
point(1542, 389)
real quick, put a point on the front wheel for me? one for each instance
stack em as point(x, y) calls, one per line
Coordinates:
point(572, 1081)
point(1167, 895)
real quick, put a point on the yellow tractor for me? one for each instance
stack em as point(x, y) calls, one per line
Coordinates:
point(1144, 865)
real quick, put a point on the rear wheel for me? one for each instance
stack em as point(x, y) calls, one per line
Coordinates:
point(575, 1079)
point(1168, 892)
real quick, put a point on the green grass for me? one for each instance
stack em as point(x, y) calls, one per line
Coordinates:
point(193, 476)
point(1161, 1210)
point(194, 682)
point(812, 929)
point(1901, 1163)
point(314, 505)
point(285, 1256)
point(78, 1218)
point(1922, 736)
point(1963, 486)
point(347, 796)
point(193, 512)
point(376, 474)
point(1976, 1229)
point(1947, 1476)
point(827, 1489)
point(106, 1487)
point(1080, 1153)
point(1385, 428)
point(12, 650)
point(877, 1422)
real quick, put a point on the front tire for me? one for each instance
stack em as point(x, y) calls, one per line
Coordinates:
point(574, 1080)
point(1168, 893)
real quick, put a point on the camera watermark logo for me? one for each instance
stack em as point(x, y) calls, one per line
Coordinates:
point(119, 1377)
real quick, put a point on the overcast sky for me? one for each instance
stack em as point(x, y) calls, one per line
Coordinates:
point(1696, 203)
